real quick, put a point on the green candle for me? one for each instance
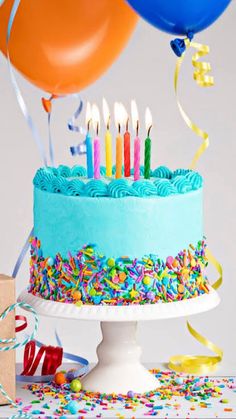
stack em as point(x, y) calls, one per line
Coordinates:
point(147, 158)
point(148, 145)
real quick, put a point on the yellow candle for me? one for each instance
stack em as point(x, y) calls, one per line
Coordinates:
point(108, 143)
point(108, 146)
point(118, 156)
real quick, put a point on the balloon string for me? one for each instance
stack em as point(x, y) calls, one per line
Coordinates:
point(16, 88)
point(71, 125)
point(200, 364)
point(200, 75)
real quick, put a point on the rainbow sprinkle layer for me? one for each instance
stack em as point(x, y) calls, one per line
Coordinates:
point(91, 278)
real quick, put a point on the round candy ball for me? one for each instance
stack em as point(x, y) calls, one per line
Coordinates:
point(50, 261)
point(130, 394)
point(73, 407)
point(179, 380)
point(77, 295)
point(150, 296)
point(70, 375)
point(75, 385)
point(60, 378)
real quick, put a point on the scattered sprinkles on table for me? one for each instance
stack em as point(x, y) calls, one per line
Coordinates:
point(176, 395)
point(91, 278)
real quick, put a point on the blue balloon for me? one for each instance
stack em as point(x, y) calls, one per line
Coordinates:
point(180, 17)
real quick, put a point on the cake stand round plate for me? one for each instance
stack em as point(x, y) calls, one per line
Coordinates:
point(122, 313)
point(119, 369)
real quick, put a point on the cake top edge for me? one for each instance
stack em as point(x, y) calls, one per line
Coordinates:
point(73, 181)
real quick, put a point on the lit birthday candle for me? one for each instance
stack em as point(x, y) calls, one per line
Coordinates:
point(118, 121)
point(96, 142)
point(148, 144)
point(126, 143)
point(108, 140)
point(88, 141)
point(135, 122)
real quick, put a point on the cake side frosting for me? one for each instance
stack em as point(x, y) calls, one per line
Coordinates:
point(124, 226)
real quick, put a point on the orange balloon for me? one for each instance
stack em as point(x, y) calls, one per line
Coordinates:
point(63, 46)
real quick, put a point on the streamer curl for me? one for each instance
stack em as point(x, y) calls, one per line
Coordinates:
point(202, 78)
point(200, 364)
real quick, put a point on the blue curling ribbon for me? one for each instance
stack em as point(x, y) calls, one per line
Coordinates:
point(71, 122)
point(81, 371)
point(16, 88)
point(22, 254)
point(81, 147)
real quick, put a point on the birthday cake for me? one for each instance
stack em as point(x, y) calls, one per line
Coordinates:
point(115, 241)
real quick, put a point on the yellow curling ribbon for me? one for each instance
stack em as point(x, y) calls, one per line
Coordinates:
point(201, 76)
point(200, 364)
point(190, 363)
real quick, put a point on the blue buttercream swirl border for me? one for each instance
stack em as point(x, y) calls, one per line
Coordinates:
point(73, 182)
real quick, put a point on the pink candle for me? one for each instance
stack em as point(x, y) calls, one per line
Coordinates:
point(137, 158)
point(96, 142)
point(96, 148)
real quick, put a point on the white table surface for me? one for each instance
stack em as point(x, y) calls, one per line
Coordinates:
point(216, 410)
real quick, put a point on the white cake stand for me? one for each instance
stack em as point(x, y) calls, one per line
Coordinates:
point(119, 369)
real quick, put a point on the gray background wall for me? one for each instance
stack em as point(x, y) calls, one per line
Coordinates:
point(144, 71)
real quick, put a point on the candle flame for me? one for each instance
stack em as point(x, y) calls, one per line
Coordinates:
point(106, 113)
point(134, 115)
point(118, 115)
point(148, 120)
point(95, 118)
point(88, 117)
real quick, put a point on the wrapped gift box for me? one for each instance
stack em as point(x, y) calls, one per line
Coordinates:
point(7, 331)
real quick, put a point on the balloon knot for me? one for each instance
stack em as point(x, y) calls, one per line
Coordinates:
point(178, 46)
point(190, 35)
point(47, 105)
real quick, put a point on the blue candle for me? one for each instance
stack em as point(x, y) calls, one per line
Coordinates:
point(89, 149)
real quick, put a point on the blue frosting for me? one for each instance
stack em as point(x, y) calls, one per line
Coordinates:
point(119, 227)
point(73, 182)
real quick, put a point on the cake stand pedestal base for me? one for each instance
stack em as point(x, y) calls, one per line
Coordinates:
point(119, 369)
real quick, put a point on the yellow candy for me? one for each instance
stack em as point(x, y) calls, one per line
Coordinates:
point(111, 262)
point(146, 280)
